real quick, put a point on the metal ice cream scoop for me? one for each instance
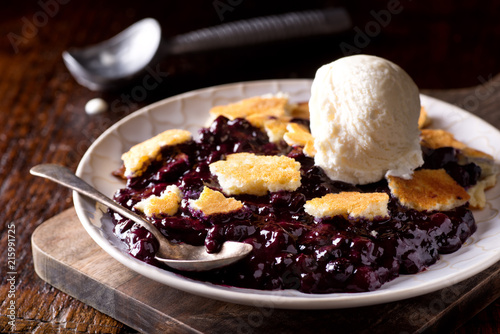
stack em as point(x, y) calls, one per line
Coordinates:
point(124, 57)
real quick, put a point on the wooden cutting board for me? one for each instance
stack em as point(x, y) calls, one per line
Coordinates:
point(66, 257)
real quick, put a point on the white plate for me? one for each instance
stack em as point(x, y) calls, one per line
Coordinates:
point(190, 110)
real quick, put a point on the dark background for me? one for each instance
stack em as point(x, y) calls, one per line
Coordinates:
point(442, 44)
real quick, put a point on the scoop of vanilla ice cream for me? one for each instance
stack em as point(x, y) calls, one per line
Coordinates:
point(364, 119)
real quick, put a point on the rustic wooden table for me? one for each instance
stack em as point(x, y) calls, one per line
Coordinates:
point(443, 47)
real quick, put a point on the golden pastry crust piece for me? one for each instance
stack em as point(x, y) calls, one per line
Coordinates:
point(424, 119)
point(247, 173)
point(275, 129)
point(254, 108)
point(477, 192)
point(139, 157)
point(300, 110)
point(349, 204)
point(165, 204)
point(440, 138)
point(298, 134)
point(428, 190)
point(213, 202)
point(436, 138)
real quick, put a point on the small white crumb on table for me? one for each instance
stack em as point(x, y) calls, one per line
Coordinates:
point(96, 106)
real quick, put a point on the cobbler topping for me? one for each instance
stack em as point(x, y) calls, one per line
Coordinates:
point(481, 168)
point(275, 129)
point(213, 202)
point(437, 138)
point(165, 204)
point(247, 173)
point(476, 192)
point(350, 205)
point(138, 158)
point(428, 190)
point(423, 119)
point(255, 109)
point(298, 134)
point(308, 232)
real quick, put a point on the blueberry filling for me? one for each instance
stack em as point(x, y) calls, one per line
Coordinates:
point(292, 250)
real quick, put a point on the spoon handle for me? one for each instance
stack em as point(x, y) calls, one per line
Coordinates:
point(261, 30)
point(67, 178)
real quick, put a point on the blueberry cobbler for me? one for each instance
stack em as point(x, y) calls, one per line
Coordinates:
point(250, 176)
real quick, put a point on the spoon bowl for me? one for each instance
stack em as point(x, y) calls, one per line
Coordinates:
point(178, 256)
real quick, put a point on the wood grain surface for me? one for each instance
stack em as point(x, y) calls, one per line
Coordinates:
point(444, 45)
point(70, 260)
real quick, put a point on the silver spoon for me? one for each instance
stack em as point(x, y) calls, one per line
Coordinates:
point(178, 256)
point(126, 56)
